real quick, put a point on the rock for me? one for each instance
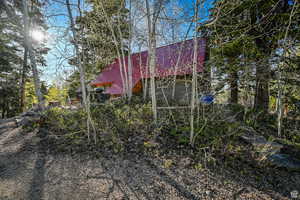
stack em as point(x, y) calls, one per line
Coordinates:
point(254, 139)
point(30, 113)
point(272, 152)
point(285, 161)
point(22, 121)
point(261, 144)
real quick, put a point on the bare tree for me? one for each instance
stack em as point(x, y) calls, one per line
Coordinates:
point(122, 66)
point(81, 67)
point(151, 21)
point(280, 76)
point(130, 84)
point(78, 56)
point(194, 78)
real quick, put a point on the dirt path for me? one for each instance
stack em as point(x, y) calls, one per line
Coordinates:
point(28, 171)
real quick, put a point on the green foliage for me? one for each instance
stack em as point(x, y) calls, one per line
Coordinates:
point(57, 94)
point(65, 122)
point(115, 124)
point(98, 45)
point(240, 41)
point(30, 97)
point(212, 130)
point(73, 84)
point(12, 67)
point(124, 119)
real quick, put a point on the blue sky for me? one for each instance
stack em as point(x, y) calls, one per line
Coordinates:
point(59, 35)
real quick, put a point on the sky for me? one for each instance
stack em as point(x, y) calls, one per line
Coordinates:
point(59, 35)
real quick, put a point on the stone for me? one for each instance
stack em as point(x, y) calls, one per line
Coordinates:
point(285, 161)
point(22, 121)
point(261, 144)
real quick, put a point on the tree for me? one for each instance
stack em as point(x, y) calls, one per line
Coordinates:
point(10, 41)
point(151, 22)
point(14, 52)
point(79, 63)
point(97, 40)
point(28, 44)
point(259, 23)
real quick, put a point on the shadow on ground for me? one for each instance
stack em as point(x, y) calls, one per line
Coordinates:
point(28, 171)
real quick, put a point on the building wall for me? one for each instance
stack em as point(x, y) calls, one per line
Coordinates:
point(164, 90)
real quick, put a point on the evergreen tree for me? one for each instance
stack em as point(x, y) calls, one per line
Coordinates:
point(260, 25)
point(14, 69)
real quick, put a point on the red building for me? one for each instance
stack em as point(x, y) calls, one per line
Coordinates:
point(167, 58)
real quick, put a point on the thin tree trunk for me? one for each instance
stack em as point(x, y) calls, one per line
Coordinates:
point(109, 23)
point(178, 60)
point(146, 87)
point(144, 80)
point(281, 75)
point(123, 56)
point(126, 81)
point(23, 80)
point(152, 58)
point(130, 83)
point(37, 85)
point(194, 78)
point(279, 104)
point(78, 56)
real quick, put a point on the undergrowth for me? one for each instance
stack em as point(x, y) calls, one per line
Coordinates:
point(129, 127)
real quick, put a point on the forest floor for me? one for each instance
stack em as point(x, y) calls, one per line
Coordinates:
point(28, 170)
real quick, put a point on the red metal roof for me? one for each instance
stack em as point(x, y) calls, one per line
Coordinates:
point(166, 59)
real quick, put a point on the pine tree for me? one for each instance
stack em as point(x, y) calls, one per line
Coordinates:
point(260, 26)
point(14, 66)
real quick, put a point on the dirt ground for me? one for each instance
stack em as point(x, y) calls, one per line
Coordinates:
point(29, 171)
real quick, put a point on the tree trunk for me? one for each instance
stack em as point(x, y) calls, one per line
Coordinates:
point(194, 78)
point(130, 83)
point(234, 90)
point(178, 60)
point(109, 23)
point(37, 85)
point(23, 80)
point(261, 101)
point(78, 56)
point(123, 66)
point(152, 58)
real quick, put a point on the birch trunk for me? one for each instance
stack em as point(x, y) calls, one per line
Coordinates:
point(123, 55)
point(194, 79)
point(152, 58)
point(178, 60)
point(130, 84)
point(109, 23)
point(78, 56)
point(28, 44)
point(280, 76)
